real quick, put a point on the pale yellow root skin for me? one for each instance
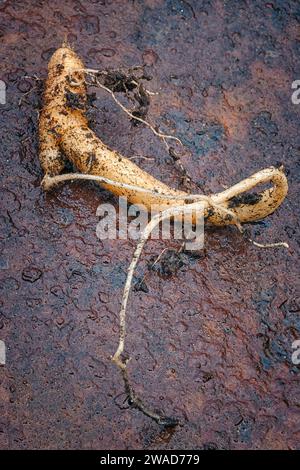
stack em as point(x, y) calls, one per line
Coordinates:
point(64, 133)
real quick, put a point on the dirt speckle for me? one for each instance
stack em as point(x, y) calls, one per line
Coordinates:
point(249, 199)
point(75, 100)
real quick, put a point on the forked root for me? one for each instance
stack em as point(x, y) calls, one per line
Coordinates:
point(64, 133)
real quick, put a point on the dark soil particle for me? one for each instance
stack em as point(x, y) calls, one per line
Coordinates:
point(118, 81)
point(141, 286)
point(59, 68)
point(91, 98)
point(75, 100)
point(143, 102)
point(170, 262)
point(248, 199)
point(173, 261)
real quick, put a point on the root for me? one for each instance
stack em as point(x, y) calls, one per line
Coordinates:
point(64, 132)
point(97, 83)
point(136, 402)
point(117, 358)
point(49, 181)
point(64, 129)
point(270, 245)
point(217, 202)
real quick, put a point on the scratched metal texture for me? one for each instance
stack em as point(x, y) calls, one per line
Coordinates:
point(212, 342)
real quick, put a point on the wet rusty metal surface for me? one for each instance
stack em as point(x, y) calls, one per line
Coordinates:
point(211, 343)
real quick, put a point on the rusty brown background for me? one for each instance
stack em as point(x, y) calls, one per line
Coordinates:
point(210, 343)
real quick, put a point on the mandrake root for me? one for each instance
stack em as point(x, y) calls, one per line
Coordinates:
point(64, 133)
